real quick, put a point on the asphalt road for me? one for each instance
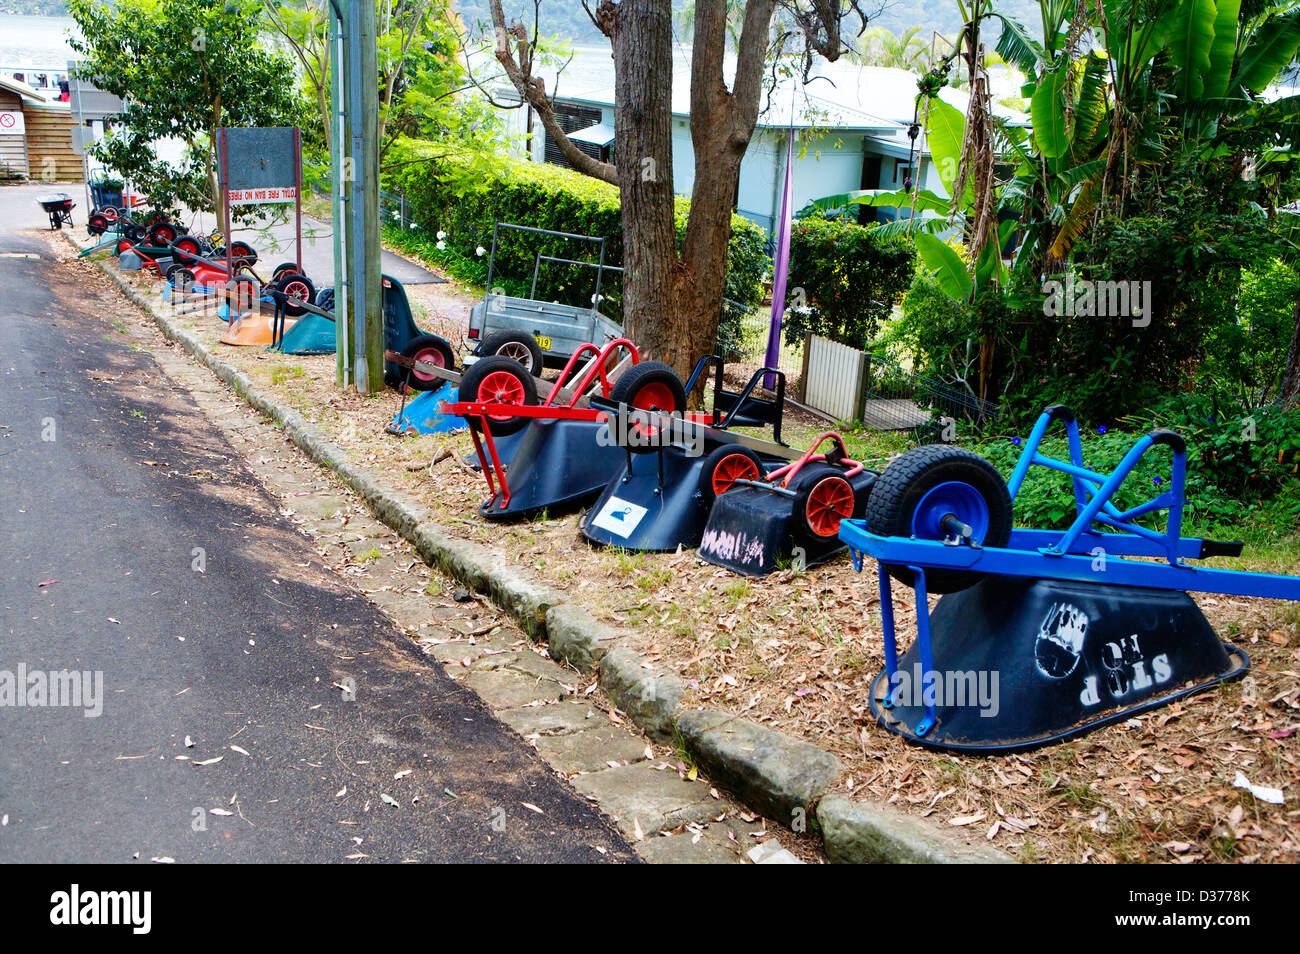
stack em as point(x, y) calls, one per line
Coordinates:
point(102, 489)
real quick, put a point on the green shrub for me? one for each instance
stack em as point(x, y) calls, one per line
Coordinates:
point(465, 208)
point(851, 279)
point(1242, 462)
point(1253, 349)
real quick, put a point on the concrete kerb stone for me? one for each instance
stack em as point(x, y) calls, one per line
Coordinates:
point(577, 637)
point(778, 775)
point(855, 832)
point(852, 831)
point(650, 698)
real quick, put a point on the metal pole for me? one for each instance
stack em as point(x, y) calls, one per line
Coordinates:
point(338, 153)
point(297, 193)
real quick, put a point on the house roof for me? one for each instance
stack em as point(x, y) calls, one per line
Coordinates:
point(22, 89)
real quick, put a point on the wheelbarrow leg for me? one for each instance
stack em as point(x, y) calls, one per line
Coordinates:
point(928, 675)
point(891, 645)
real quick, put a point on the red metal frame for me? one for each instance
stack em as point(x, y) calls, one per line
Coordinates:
point(790, 471)
point(597, 367)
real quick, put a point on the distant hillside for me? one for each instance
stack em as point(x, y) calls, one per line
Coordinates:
point(567, 18)
point(38, 8)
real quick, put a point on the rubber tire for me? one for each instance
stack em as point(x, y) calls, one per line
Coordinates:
point(715, 457)
point(631, 382)
point(325, 299)
point(245, 251)
point(97, 224)
point(189, 240)
point(228, 293)
point(414, 347)
point(163, 233)
point(284, 268)
point(136, 233)
point(493, 343)
point(907, 479)
point(473, 378)
point(291, 309)
point(182, 282)
point(809, 476)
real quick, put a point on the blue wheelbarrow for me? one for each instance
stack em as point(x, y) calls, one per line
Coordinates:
point(1042, 635)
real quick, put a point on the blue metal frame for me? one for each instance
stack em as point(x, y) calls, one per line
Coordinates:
point(1082, 553)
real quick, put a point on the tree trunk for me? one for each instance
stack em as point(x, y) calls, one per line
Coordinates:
point(641, 33)
point(1289, 393)
point(722, 123)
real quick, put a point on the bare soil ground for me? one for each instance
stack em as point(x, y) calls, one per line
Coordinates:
point(797, 651)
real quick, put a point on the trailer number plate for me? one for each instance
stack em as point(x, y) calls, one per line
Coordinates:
point(543, 343)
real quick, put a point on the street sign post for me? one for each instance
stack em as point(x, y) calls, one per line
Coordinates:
point(260, 166)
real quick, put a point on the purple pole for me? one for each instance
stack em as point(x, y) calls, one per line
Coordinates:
point(780, 265)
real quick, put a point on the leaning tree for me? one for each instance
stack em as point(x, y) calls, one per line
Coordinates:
point(672, 292)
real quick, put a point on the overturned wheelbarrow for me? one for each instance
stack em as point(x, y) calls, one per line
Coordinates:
point(1041, 635)
point(764, 521)
point(561, 462)
point(675, 466)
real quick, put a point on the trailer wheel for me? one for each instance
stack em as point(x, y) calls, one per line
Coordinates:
point(429, 349)
point(919, 490)
point(497, 380)
point(649, 386)
point(724, 466)
point(519, 345)
point(245, 251)
point(296, 288)
point(97, 224)
point(823, 498)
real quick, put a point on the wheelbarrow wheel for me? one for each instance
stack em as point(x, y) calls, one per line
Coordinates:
point(428, 349)
point(919, 490)
point(162, 233)
point(649, 386)
point(136, 233)
point(187, 244)
point(823, 498)
point(724, 466)
point(296, 288)
point(497, 380)
point(182, 278)
point(247, 252)
point(284, 268)
point(97, 224)
point(240, 294)
point(519, 345)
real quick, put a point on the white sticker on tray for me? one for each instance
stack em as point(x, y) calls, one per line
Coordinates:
point(619, 517)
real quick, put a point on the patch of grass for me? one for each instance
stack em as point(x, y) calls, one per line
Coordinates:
point(736, 593)
point(628, 562)
point(371, 554)
point(284, 373)
point(654, 579)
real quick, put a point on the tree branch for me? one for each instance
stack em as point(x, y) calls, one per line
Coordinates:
point(532, 90)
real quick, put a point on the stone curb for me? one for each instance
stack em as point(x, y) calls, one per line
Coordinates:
point(773, 773)
point(778, 775)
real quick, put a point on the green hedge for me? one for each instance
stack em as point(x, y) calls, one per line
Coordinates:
point(851, 279)
point(443, 198)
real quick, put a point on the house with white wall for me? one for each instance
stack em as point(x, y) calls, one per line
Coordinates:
point(850, 125)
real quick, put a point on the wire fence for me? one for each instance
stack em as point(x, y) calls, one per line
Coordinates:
point(898, 399)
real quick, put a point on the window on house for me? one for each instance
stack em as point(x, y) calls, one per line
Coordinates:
point(571, 119)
